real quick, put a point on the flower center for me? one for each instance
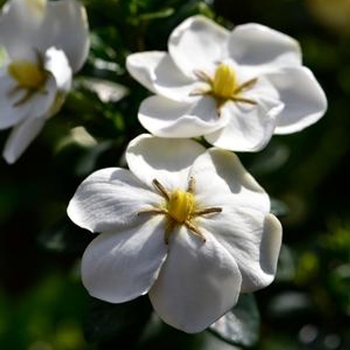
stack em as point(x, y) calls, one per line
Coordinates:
point(180, 206)
point(180, 209)
point(224, 86)
point(27, 74)
point(224, 83)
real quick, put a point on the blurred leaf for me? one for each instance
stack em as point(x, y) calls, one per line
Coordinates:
point(159, 14)
point(273, 157)
point(241, 325)
point(65, 237)
point(278, 207)
point(290, 304)
point(107, 91)
point(106, 322)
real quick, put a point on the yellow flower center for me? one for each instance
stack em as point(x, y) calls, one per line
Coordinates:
point(224, 84)
point(180, 209)
point(27, 74)
point(180, 206)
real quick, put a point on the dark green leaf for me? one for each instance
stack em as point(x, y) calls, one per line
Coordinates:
point(241, 325)
point(117, 323)
point(65, 237)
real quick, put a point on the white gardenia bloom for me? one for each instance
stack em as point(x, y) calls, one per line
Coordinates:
point(45, 42)
point(237, 88)
point(188, 226)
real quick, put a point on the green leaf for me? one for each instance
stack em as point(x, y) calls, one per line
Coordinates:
point(241, 325)
point(167, 12)
point(65, 237)
point(278, 207)
point(117, 323)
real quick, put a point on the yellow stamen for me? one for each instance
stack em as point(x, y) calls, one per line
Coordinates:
point(27, 74)
point(180, 209)
point(180, 206)
point(224, 84)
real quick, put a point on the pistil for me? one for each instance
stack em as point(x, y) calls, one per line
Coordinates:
point(180, 209)
point(224, 86)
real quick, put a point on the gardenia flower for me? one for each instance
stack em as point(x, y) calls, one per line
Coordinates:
point(236, 88)
point(186, 225)
point(45, 42)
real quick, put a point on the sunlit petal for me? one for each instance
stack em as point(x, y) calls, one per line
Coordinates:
point(120, 266)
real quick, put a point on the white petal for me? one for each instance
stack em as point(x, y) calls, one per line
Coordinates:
point(66, 27)
point(252, 239)
point(244, 227)
point(198, 283)
point(167, 160)
point(305, 101)
point(120, 266)
point(157, 72)
point(10, 114)
point(227, 177)
point(41, 102)
point(249, 127)
point(57, 64)
point(37, 109)
point(19, 23)
point(197, 43)
point(248, 131)
point(167, 118)
point(109, 199)
point(20, 138)
point(262, 47)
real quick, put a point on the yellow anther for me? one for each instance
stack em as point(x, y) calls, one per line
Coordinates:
point(180, 209)
point(27, 74)
point(180, 206)
point(224, 84)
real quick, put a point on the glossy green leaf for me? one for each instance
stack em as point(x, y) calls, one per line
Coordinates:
point(241, 325)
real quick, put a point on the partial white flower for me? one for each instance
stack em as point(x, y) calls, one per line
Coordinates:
point(237, 88)
point(46, 42)
point(188, 226)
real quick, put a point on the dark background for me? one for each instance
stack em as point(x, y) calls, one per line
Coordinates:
point(42, 303)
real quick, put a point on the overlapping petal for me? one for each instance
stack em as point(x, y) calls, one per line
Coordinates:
point(120, 266)
point(10, 113)
point(197, 43)
point(249, 127)
point(305, 102)
point(13, 111)
point(27, 25)
point(158, 73)
point(20, 20)
point(263, 47)
point(245, 228)
point(166, 160)
point(197, 284)
point(252, 239)
point(110, 199)
point(229, 177)
point(167, 118)
point(20, 138)
point(65, 27)
point(57, 64)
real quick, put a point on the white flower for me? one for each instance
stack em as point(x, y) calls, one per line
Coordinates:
point(237, 88)
point(187, 225)
point(46, 42)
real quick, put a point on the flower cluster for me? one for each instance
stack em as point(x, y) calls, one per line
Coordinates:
point(45, 43)
point(185, 224)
